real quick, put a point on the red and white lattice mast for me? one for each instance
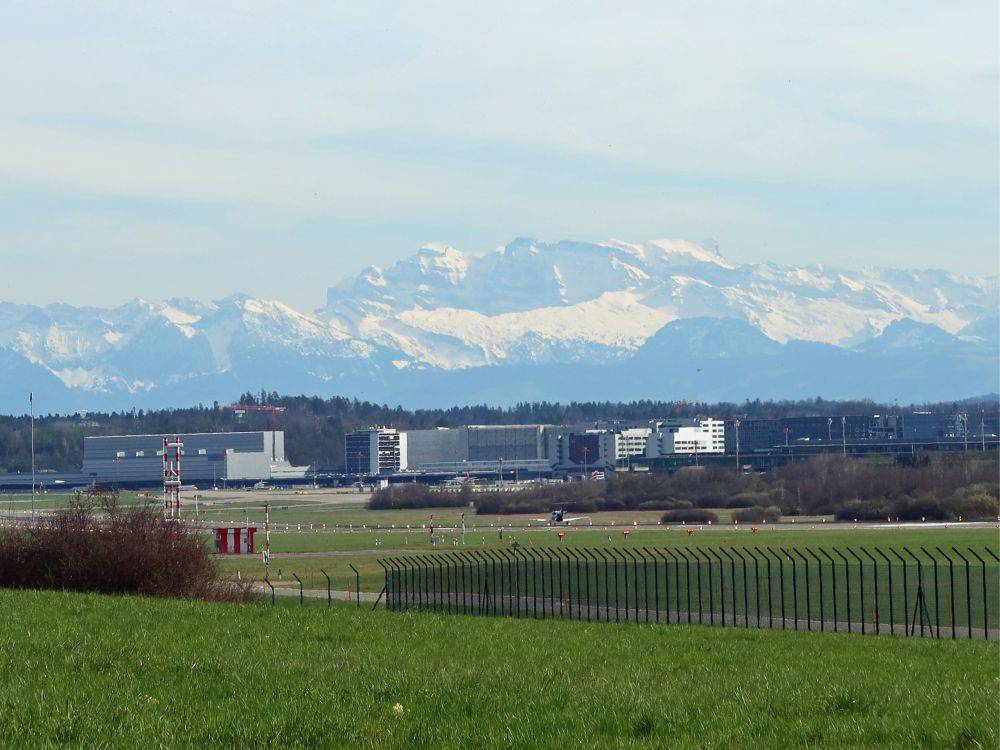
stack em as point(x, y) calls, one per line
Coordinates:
point(172, 477)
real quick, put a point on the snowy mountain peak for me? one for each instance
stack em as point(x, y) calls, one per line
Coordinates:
point(442, 261)
point(680, 252)
point(658, 304)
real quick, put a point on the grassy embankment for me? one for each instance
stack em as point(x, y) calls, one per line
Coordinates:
point(96, 671)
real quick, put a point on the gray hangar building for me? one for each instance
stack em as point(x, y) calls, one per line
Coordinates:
point(205, 458)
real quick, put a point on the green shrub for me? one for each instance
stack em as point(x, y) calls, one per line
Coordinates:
point(758, 514)
point(689, 515)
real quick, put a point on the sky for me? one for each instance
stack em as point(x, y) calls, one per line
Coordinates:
point(205, 149)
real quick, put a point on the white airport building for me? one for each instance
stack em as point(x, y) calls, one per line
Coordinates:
point(686, 436)
point(207, 458)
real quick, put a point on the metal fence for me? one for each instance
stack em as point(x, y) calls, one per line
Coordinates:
point(940, 593)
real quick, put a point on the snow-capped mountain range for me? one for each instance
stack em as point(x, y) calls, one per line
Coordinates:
point(570, 320)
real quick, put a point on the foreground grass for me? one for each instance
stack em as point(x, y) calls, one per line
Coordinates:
point(96, 671)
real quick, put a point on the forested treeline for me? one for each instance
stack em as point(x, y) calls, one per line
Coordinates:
point(937, 487)
point(314, 427)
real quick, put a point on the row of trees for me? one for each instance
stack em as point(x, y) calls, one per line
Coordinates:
point(939, 486)
point(315, 427)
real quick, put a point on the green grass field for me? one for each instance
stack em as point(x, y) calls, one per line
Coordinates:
point(93, 671)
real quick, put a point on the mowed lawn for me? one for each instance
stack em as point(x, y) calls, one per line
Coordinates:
point(93, 671)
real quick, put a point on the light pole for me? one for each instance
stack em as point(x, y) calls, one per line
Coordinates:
point(586, 451)
point(829, 429)
point(787, 430)
point(843, 433)
point(982, 427)
point(965, 429)
point(500, 471)
point(31, 407)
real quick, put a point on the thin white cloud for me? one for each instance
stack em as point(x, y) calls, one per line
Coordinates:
point(346, 110)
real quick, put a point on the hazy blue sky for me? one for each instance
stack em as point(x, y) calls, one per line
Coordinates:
point(200, 149)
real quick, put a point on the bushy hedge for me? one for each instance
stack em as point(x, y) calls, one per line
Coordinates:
point(966, 503)
point(413, 495)
point(758, 514)
point(119, 550)
point(689, 515)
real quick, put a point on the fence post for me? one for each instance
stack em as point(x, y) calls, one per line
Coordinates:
point(951, 592)
point(687, 582)
point(534, 583)
point(272, 590)
point(452, 572)
point(875, 581)
point(888, 563)
point(991, 553)
point(475, 582)
point(906, 593)
point(986, 621)
point(756, 582)
point(732, 582)
point(385, 586)
point(465, 578)
point(329, 591)
point(861, 578)
point(586, 577)
point(302, 595)
point(645, 583)
point(417, 575)
point(573, 590)
point(920, 604)
point(833, 584)
point(677, 586)
point(620, 556)
point(567, 597)
point(746, 596)
point(711, 588)
point(722, 584)
point(599, 553)
point(770, 609)
point(795, 588)
point(496, 578)
point(456, 562)
point(480, 582)
point(805, 564)
point(968, 590)
point(847, 575)
point(614, 555)
point(819, 572)
point(701, 599)
point(426, 576)
point(635, 583)
point(781, 584)
point(510, 557)
point(937, 600)
point(558, 554)
point(394, 579)
point(436, 589)
point(656, 583)
point(357, 584)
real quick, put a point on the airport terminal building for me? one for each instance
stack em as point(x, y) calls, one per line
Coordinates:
point(208, 458)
